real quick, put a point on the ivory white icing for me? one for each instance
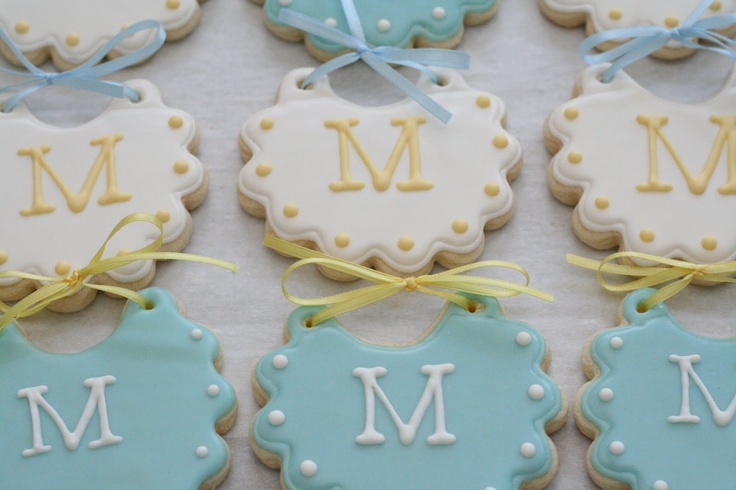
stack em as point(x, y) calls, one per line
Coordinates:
point(42, 24)
point(142, 162)
point(303, 146)
point(622, 145)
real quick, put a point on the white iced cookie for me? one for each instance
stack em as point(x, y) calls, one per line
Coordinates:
point(647, 174)
point(71, 34)
point(66, 188)
point(603, 15)
point(390, 187)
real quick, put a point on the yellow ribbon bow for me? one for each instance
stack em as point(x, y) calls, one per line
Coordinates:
point(65, 286)
point(387, 284)
point(677, 273)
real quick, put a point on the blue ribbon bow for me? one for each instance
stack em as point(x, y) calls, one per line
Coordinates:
point(378, 58)
point(645, 40)
point(84, 76)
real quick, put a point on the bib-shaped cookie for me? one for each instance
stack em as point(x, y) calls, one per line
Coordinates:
point(66, 188)
point(604, 15)
point(70, 33)
point(469, 405)
point(647, 174)
point(142, 409)
point(391, 186)
point(403, 24)
point(660, 405)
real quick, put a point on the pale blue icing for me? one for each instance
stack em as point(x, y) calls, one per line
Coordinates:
point(408, 18)
point(486, 400)
point(647, 390)
point(159, 405)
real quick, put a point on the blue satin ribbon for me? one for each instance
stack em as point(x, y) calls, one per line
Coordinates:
point(379, 58)
point(645, 40)
point(84, 76)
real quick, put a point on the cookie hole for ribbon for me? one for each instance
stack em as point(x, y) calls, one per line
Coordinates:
point(640, 308)
point(476, 307)
point(300, 85)
point(308, 323)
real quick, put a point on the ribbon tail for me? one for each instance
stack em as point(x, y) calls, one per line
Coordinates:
point(327, 68)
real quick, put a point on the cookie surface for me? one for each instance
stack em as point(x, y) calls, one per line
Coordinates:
point(72, 34)
point(646, 174)
point(142, 409)
point(470, 401)
point(657, 392)
point(388, 186)
point(385, 22)
point(68, 187)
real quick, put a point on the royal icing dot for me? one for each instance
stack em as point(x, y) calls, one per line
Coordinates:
point(528, 450)
point(406, 243)
point(671, 22)
point(213, 390)
point(196, 334)
point(709, 243)
point(523, 339)
point(181, 167)
point(606, 394)
point(202, 451)
point(500, 141)
point(615, 14)
point(575, 157)
point(291, 210)
point(384, 25)
point(62, 267)
point(617, 448)
point(616, 342)
point(483, 101)
point(536, 392)
point(459, 226)
point(647, 235)
point(492, 189)
point(3, 256)
point(72, 39)
point(342, 240)
point(280, 361)
point(267, 123)
point(21, 27)
point(263, 169)
point(172, 4)
point(176, 122)
point(660, 485)
point(331, 22)
point(439, 13)
point(715, 6)
point(163, 215)
point(284, 3)
point(276, 417)
point(308, 468)
point(571, 113)
point(602, 202)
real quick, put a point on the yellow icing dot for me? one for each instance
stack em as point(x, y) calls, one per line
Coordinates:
point(709, 243)
point(72, 39)
point(571, 113)
point(62, 267)
point(500, 141)
point(263, 169)
point(483, 101)
point(123, 251)
point(163, 215)
point(267, 123)
point(181, 167)
point(406, 243)
point(715, 6)
point(291, 210)
point(172, 4)
point(175, 122)
point(491, 189)
point(602, 202)
point(21, 27)
point(615, 14)
point(647, 235)
point(342, 240)
point(459, 226)
point(575, 157)
point(671, 22)
point(3, 256)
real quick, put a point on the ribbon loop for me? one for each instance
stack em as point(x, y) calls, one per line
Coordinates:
point(645, 40)
point(84, 76)
point(445, 284)
point(64, 286)
point(674, 275)
point(378, 58)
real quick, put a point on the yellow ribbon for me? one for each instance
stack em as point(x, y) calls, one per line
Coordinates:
point(387, 284)
point(65, 286)
point(676, 274)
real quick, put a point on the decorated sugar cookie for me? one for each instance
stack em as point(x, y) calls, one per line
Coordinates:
point(142, 409)
point(391, 186)
point(468, 404)
point(660, 404)
point(67, 187)
point(646, 174)
point(72, 34)
point(386, 22)
point(604, 15)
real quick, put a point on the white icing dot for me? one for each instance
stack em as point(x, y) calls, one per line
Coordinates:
point(280, 361)
point(523, 339)
point(276, 417)
point(606, 394)
point(196, 334)
point(284, 3)
point(213, 390)
point(616, 342)
point(528, 450)
point(536, 392)
point(660, 485)
point(439, 13)
point(202, 451)
point(617, 448)
point(331, 22)
point(308, 468)
point(490, 488)
point(384, 25)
